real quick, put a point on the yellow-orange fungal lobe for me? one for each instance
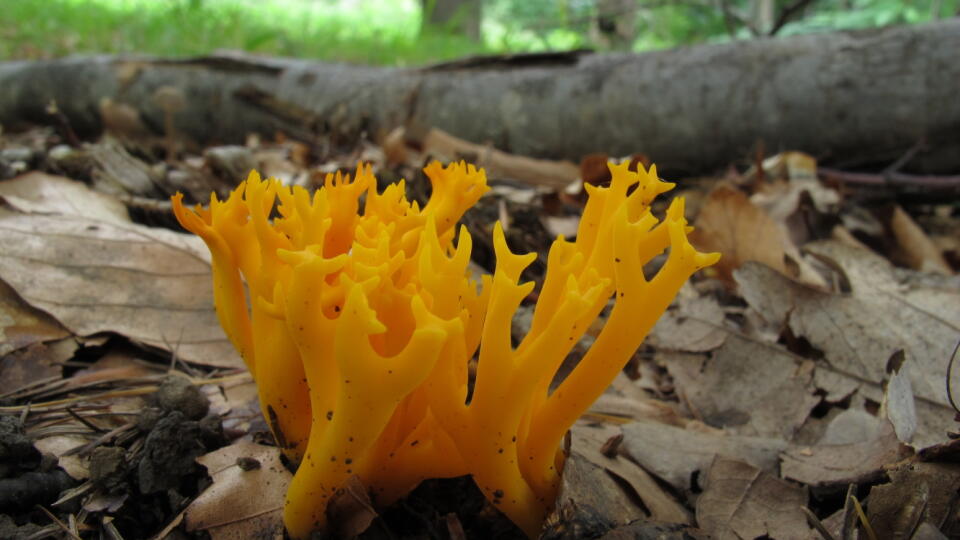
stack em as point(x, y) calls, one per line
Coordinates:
point(371, 317)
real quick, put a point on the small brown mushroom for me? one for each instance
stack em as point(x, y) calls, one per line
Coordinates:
point(171, 100)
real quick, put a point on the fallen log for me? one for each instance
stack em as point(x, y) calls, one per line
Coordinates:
point(851, 99)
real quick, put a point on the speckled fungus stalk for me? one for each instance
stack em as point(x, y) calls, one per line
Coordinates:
point(358, 328)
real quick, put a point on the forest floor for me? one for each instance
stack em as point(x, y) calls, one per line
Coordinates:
point(798, 389)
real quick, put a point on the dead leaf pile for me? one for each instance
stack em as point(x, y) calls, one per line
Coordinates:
point(797, 390)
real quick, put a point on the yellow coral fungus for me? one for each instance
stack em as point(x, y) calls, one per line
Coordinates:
point(358, 327)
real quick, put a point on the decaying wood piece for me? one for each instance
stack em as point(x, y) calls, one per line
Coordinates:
point(439, 144)
point(849, 99)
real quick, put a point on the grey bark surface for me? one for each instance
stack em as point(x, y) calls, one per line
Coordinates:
point(847, 98)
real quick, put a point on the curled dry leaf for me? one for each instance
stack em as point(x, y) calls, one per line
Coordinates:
point(37, 192)
point(94, 277)
point(795, 174)
point(22, 325)
point(731, 224)
point(916, 248)
point(608, 496)
point(73, 253)
point(675, 454)
point(836, 465)
point(898, 404)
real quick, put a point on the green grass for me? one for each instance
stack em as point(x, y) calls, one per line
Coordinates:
point(383, 31)
point(368, 32)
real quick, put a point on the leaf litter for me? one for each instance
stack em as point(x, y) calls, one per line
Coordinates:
point(810, 364)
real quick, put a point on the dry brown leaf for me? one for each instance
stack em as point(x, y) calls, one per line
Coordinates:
point(350, 511)
point(675, 454)
point(693, 324)
point(633, 409)
point(767, 226)
point(241, 503)
point(933, 421)
point(22, 325)
point(898, 404)
point(795, 174)
point(120, 361)
point(916, 247)
point(739, 230)
point(35, 363)
point(749, 388)
point(589, 495)
point(919, 491)
point(834, 466)
point(37, 192)
point(77, 467)
point(741, 501)
point(94, 276)
point(628, 400)
point(835, 386)
point(587, 442)
point(858, 332)
point(850, 426)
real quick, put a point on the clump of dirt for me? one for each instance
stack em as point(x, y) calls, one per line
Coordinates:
point(27, 479)
point(179, 394)
point(159, 472)
point(170, 451)
point(17, 453)
point(140, 481)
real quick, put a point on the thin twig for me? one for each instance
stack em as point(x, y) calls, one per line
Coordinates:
point(110, 528)
point(62, 525)
point(93, 427)
point(174, 523)
point(906, 157)
point(787, 13)
point(892, 180)
point(63, 124)
point(953, 358)
point(730, 17)
point(871, 534)
point(815, 522)
point(83, 449)
point(149, 389)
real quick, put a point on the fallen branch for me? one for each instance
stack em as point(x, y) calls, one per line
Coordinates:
point(895, 181)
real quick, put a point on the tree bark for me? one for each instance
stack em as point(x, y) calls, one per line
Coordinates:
point(850, 99)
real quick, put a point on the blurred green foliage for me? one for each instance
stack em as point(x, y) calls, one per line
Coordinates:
point(369, 32)
point(386, 31)
point(549, 24)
